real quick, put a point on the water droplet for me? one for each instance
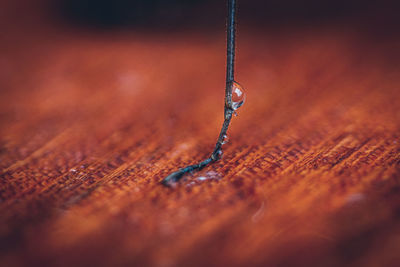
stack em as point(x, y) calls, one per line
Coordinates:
point(225, 140)
point(238, 95)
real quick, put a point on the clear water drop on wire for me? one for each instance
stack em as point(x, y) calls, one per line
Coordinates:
point(238, 95)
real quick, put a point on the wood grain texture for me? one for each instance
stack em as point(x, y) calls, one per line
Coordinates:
point(91, 122)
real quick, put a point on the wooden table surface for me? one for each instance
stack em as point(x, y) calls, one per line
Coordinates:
point(90, 122)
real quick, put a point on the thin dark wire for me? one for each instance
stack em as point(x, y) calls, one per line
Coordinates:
point(228, 110)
